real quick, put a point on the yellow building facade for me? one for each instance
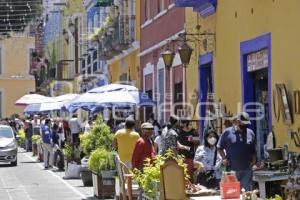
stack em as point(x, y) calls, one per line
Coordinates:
point(256, 48)
point(15, 81)
point(125, 66)
point(263, 25)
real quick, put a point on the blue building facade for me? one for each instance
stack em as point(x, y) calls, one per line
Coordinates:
point(93, 65)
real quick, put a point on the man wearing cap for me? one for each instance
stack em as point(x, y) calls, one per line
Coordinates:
point(238, 142)
point(144, 147)
point(124, 141)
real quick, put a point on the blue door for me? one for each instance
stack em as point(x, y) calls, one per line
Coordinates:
point(205, 82)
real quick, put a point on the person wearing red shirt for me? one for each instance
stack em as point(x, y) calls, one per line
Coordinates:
point(144, 147)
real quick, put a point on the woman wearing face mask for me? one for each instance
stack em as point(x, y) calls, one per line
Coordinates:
point(208, 157)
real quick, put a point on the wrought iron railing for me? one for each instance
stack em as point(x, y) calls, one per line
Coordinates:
point(120, 34)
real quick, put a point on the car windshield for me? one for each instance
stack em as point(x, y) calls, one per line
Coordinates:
point(6, 132)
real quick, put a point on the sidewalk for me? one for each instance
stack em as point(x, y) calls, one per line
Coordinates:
point(76, 185)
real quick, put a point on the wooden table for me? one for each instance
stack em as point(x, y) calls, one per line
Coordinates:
point(267, 176)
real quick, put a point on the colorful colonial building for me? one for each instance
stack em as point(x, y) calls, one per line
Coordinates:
point(253, 57)
point(161, 22)
point(15, 80)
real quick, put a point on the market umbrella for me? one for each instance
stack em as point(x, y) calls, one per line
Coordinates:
point(30, 99)
point(118, 98)
point(113, 87)
point(65, 97)
point(42, 107)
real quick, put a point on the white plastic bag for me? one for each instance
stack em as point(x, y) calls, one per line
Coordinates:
point(73, 171)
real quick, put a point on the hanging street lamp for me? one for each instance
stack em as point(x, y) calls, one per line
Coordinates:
point(168, 57)
point(185, 53)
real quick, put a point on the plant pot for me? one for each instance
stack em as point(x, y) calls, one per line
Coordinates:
point(108, 177)
point(86, 177)
point(102, 190)
point(34, 150)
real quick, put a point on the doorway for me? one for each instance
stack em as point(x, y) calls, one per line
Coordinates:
point(260, 93)
point(149, 110)
point(178, 99)
point(206, 87)
point(256, 85)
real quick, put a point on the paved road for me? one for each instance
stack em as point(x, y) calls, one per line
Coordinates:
point(29, 181)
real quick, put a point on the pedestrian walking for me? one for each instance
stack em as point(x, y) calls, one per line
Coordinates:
point(169, 137)
point(47, 144)
point(209, 161)
point(36, 125)
point(75, 129)
point(28, 135)
point(186, 137)
point(124, 141)
point(157, 141)
point(238, 142)
point(144, 147)
point(155, 124)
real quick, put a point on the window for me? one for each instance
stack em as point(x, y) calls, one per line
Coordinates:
point(147, 9)
point(178, 98)
point(90, 27)
point(96, 20)
point(95, 66)
point(83, 64)
point(160, 5)
point(89, 59)
point(31, 50)
point(95, 55)
point(161, 95)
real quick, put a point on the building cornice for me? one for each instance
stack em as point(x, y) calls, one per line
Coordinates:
point(160, 44)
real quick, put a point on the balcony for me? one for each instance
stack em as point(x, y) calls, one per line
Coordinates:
point(119, 34)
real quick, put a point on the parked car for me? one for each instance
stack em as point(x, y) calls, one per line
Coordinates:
point(8, 146)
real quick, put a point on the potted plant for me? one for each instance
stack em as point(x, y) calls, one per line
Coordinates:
point(149, 179)
point(98, 137)
point(85, 173)
point(102, 164)
point(35, 139)
point(71, 161)
point(21, 134)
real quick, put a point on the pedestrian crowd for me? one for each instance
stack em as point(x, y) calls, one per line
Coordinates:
point(233, 150)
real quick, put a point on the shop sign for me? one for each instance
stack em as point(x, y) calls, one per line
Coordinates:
point(257, 60)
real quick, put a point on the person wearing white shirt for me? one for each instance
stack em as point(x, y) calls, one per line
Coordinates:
point(75, 128)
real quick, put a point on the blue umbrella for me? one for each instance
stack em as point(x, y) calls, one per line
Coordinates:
point(42, 108)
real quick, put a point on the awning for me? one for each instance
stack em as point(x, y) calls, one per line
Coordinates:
point(204, 7)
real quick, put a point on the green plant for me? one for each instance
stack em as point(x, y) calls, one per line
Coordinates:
point(101, 160)
point(21, 134)
point(35, 139)
point(98, 137)
point(150, 177)
point(277, 197)
point(68, 152)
